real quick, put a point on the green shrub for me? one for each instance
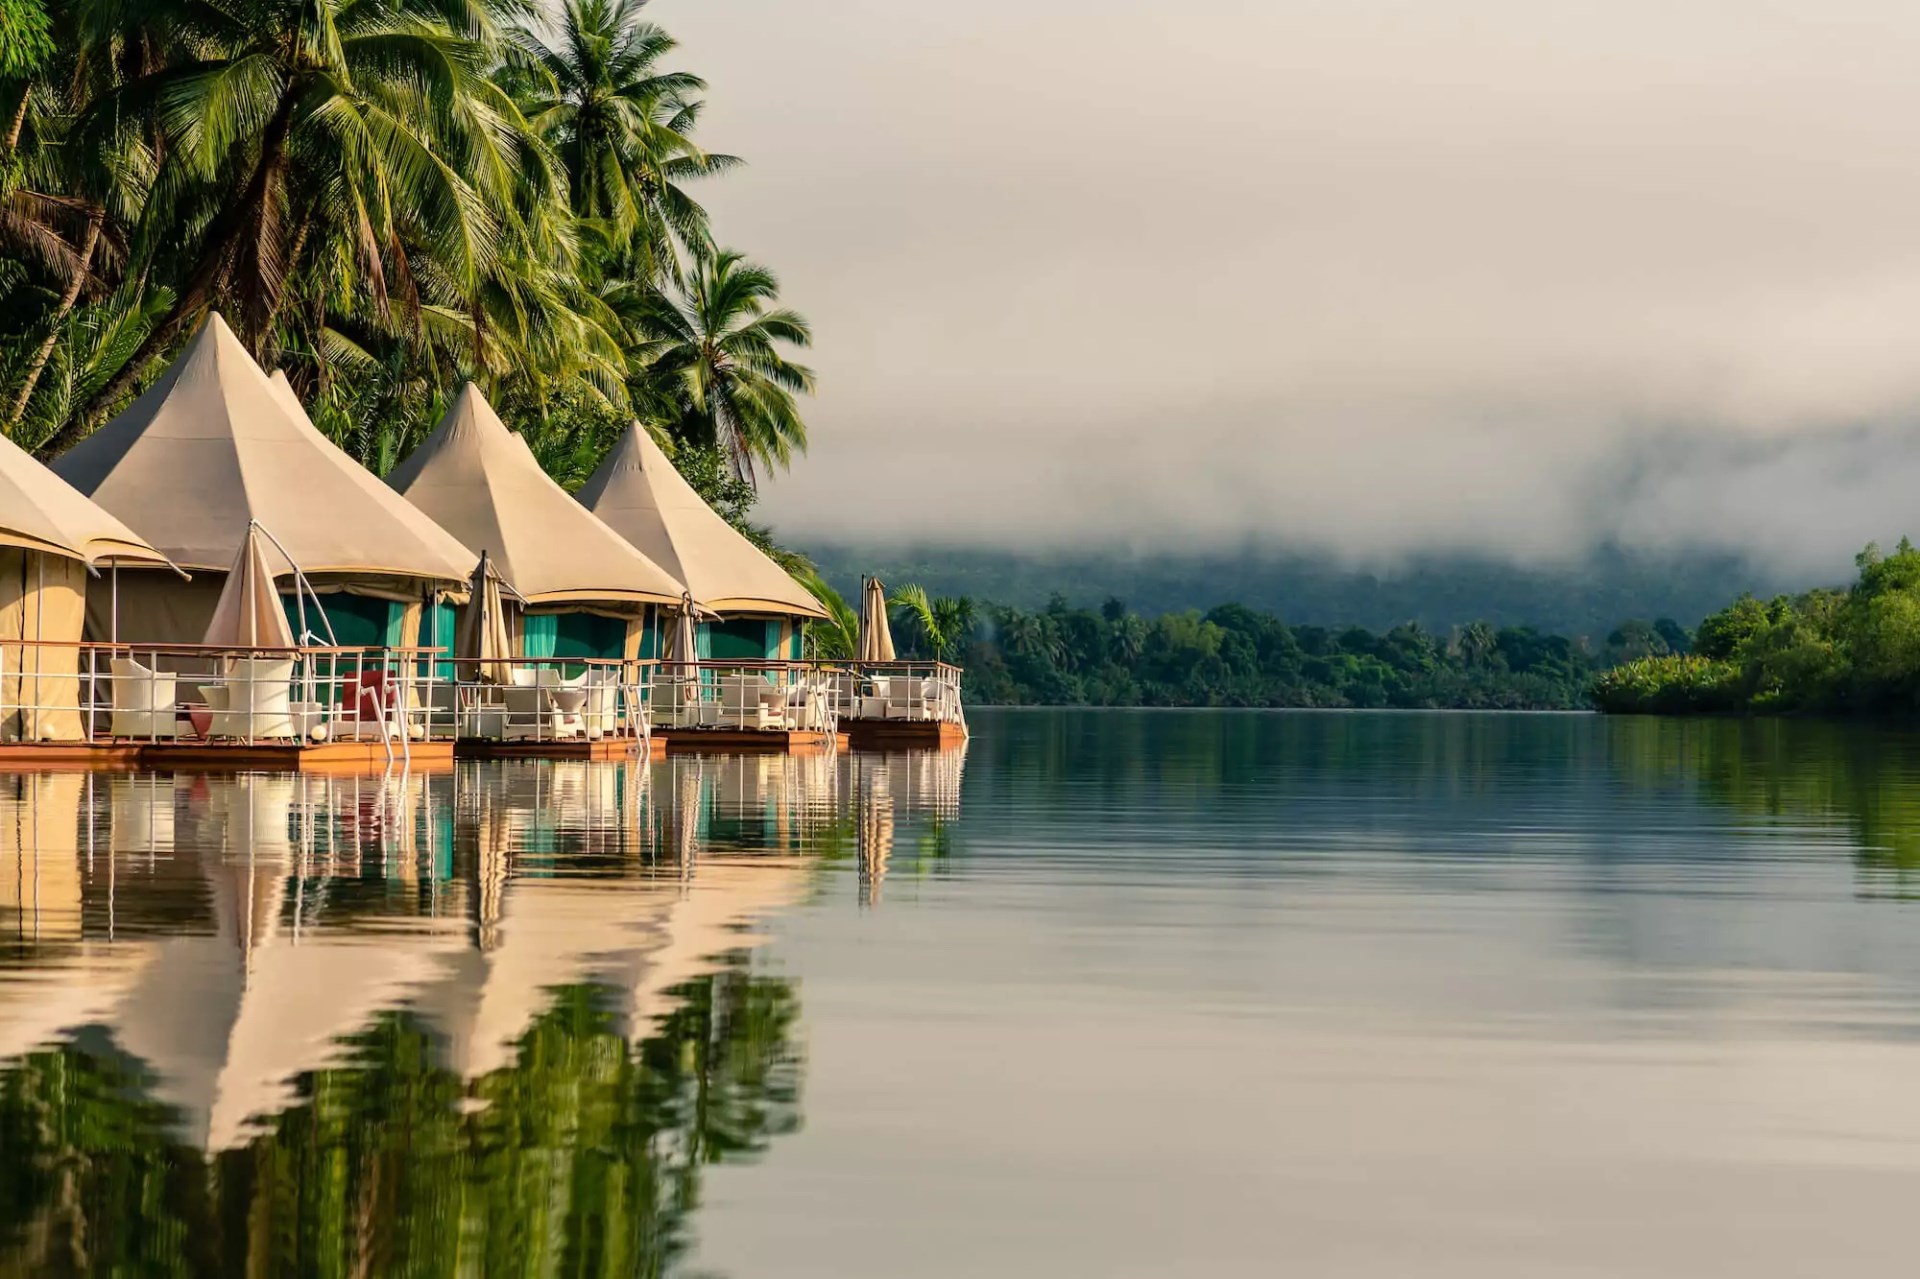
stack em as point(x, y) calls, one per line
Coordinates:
point(1673, 684)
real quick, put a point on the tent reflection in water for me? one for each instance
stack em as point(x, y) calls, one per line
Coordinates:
point(214, 446)
point(52, 537)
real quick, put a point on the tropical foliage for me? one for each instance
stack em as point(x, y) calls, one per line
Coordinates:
point(1232, 655)
point(1853, 651)
point(384, 198)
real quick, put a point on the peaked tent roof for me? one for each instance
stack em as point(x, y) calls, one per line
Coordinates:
point(637, 492)
point(42, 512)
point(212, 445)
point(481, 481)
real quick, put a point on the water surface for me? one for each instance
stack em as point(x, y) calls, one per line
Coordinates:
point(1107, 993)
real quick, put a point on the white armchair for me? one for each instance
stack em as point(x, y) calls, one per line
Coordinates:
point(143, 701)
point(602, 712)
point(748, 701)
point(259, 700)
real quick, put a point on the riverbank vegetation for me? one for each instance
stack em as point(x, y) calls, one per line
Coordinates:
point(1854, 651)
point(383, 198)
point(1231, 655)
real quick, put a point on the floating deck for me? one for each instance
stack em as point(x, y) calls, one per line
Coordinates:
point(715, 741)
point(323, 757)
point(602, 748)
point(902, 734)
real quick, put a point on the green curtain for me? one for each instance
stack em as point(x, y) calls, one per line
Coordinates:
point(539, 633)
point(358, 621)
point(437, 622)
point(589, 635)
point(741, 639)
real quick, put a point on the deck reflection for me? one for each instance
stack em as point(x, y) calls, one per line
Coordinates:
point(439, 980)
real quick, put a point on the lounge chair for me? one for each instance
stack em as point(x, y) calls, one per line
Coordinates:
point(143, 701)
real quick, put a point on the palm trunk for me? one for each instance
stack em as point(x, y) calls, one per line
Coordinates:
point(19, 119)
point(280, 297)
point(209, 273)
point(67, 299)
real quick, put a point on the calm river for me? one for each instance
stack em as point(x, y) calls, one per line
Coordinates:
point(1108, 993)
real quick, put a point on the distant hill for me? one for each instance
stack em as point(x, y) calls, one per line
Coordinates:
point(1440, 592)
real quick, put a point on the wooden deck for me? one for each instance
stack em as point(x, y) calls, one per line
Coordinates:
point(603, 748)
point(735, 741)
point(324, 757)
point(902, 734)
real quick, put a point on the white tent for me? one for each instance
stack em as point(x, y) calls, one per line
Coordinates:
point(213, 446)
point(641, 497)
point(479, 480)
point(51, 535)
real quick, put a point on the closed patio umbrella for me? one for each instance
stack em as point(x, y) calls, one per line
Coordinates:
point(682, 645)
point(876, 635)
point(248, 613)
point(482, 634)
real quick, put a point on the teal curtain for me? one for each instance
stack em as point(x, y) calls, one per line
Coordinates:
point(589, 635)
point(741, 639)
point(357, 620)
point(437, 622)
point(539, 633)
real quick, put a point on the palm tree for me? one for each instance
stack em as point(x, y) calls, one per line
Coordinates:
point(838, 637)
point(940, 624)
point(375, 120)
point(713, 359)
point(1477, 643)
point(23, 36)
point(590, 83)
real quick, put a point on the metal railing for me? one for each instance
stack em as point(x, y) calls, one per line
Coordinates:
point(52, 691)
point(903, 692)
point(60, 692)
point(761, 696)
point(538, 699)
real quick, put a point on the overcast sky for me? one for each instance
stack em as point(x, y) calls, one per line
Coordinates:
point(1379, 275)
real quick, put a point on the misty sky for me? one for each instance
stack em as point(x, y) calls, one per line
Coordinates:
point(1378, 275)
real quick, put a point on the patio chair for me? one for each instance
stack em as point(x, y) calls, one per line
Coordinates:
point(910, 699)
point(566, 698)
point(748, 701)
point(258, 700)
point(143, 701)
point(530, 712)
point(677, 700)
point(601, 715)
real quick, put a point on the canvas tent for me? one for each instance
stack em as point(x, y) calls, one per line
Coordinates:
point(481, 482)
point(50, 536)
point(213, 446)
point(643, 498)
